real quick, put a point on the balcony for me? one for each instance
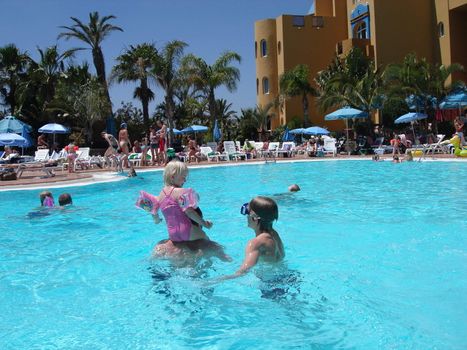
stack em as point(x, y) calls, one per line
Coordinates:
point(345, 46)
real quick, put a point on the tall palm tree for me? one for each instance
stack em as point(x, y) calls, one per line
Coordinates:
point(261, 115)
point(166, 73)
point(207, 78)
point(13, 68)
point(295, 82)
point(419, 83)
point(136, 64)
point(93, 34)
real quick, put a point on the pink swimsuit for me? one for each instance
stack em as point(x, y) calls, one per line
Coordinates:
point(178, 223)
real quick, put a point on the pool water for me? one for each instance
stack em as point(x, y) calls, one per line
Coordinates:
point(376, 258)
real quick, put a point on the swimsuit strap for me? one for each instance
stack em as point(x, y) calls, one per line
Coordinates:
point(168, 195)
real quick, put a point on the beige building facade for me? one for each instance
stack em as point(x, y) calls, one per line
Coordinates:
point(385, 30)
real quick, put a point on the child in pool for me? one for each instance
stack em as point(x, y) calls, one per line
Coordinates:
point(180, 209)
point(267, 244)
point(46, 198)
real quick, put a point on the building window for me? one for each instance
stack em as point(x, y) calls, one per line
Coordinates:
point(257, 86)
point(298, 21)
point(264, 48)
point(340, 49)
point(441, 29)
point(317, 22)
point(265, 86)
point(360, 31)
point(256, 49)
point(278, 47)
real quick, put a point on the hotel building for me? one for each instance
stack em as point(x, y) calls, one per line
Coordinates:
point(385, 30)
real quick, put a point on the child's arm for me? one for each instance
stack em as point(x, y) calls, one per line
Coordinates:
point(193, 215)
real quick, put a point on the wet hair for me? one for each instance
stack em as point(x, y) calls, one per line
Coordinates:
point(174, 168)
point(43, 195)
point(266, 208)
point(294, 188)
point(65, 199)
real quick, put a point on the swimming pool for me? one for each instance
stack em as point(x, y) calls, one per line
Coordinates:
point(376, 258)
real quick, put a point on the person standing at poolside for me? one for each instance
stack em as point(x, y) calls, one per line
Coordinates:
point(154, 144)
point(267, 245)
point(162, 132)
point(124, 142)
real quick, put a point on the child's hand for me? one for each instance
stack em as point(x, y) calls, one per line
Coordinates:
point(207, 223)
point(156, 219)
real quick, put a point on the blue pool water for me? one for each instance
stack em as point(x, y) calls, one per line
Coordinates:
point(376, 258)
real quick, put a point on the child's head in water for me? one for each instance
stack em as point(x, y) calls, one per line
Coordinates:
point(175, 173)
point(294, 188)
point(46, 198)
point(261, 210)
point(65, 199)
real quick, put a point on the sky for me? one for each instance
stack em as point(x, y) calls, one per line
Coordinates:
point(209, 27)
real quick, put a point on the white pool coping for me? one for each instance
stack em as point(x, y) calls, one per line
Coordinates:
point(104, 177)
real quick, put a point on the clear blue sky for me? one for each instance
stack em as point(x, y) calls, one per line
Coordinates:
point(210, 27)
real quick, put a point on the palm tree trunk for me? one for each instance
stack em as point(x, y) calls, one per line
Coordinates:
point(99, 63)
point(169, 112)
point(145, 103)
point(306, 116)
point(212, 106)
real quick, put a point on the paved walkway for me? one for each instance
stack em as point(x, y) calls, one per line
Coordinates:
point(36, 179)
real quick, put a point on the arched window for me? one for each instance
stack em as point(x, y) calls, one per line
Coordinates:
point(441, 29)
point(257, 86)
point(278, 47)
point(265, 86)
point(264, 48)
point(256, 49)
point(360, 31)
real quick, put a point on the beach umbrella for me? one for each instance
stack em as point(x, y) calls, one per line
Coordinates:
point(315, 130)
point(175, 131)
point(11, 124)
point(54, 128)
point(12, 139)
point(194, 128)
point(346, 113)
point(216, 133)
point(298, 131)
point(287, 136)
point(457, 99)
point(410, 118)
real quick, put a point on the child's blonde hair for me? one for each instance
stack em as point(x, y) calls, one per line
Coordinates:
point(172, 169)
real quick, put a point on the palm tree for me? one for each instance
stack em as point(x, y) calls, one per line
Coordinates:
point(135, 64)
point(295, 82)
point(13, 68)
point(166, 73)
point(93, 34)
point(261, 115)
point(419, 83)
point(352, 82)
point(208, 78)
point(226, 115)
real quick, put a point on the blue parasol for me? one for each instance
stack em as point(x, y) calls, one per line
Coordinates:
point(457, 99)
point(298, 131)
point(175, 131)
point(194, 128)
point(216, 133)
point(346, 113)
point(316, 130)
point(54, 128)
point(11, 139)
point(11, 124)
point(287, 135)
point(410, 117)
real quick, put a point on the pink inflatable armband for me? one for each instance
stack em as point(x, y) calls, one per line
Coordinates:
point(189, 199)
point(147, 202)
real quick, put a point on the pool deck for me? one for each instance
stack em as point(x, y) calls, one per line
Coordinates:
point(36, 180)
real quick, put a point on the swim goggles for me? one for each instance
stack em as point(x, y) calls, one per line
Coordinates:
point(245, 210)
